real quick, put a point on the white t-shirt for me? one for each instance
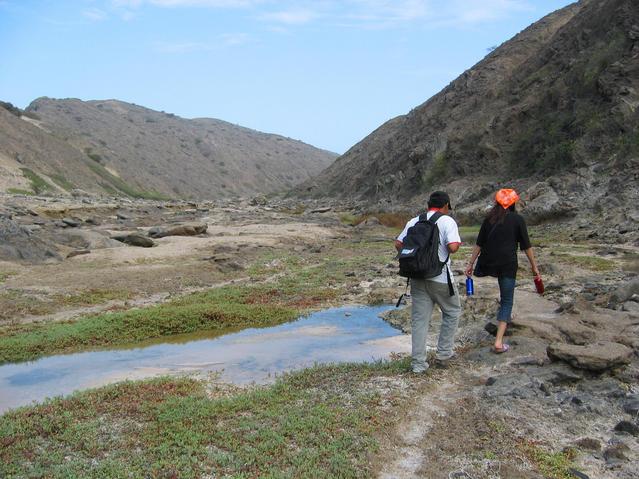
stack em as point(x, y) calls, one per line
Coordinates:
point(448, 233)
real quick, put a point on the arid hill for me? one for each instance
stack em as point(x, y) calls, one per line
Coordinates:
point(557, 104)
point(117, 148)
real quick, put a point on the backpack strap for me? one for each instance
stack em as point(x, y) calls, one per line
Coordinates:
point(405, 294)
point(433, 219)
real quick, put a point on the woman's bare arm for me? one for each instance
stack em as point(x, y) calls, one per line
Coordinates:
point(469, 268)
point(533, 264)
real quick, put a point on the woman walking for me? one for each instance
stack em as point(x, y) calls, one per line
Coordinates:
point(500, 233)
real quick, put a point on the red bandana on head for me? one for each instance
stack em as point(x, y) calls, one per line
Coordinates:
point(506, 198)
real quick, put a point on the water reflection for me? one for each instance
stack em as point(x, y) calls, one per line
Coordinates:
point(251, 355)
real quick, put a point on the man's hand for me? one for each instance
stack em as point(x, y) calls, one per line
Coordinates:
point(398, 245)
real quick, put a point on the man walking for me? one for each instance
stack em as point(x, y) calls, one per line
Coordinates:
point(436, 290)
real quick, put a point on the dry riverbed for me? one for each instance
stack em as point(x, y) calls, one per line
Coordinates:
point(518, 415)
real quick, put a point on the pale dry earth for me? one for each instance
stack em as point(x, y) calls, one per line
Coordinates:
point(476, 418)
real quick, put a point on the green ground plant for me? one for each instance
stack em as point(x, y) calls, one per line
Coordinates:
point(116, 185)
point(4, 275)
point(19, 191)
point(437, 171)
point(62, 182)
point(319, 422)
point(593, 263)
point(38, 184)
point(553, 465)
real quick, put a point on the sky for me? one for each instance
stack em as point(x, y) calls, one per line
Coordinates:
point(326, 72)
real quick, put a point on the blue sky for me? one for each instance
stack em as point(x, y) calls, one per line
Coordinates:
point(326, 72)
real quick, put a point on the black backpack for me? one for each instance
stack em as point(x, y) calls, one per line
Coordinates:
point(419, 256)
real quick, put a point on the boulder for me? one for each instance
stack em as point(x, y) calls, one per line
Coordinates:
point(577, 333)
point(625, 291)
point(630, 307)
point(627, 427)
point(545, 204)
point(84, 239)
point(616, 454)
point(597, 357)
point(631, 406)
point(135, 239)
point(18, 243)
point(181, 230)
point(73, 223)
point(589, 444)
point(324, 209)
point(78, 252)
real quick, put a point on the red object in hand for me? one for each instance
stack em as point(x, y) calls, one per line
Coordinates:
point(539, 284)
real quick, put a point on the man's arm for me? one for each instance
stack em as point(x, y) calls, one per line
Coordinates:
point(454, 246)
point(398, 245)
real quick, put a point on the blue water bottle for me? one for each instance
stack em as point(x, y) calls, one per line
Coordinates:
point(470, 288)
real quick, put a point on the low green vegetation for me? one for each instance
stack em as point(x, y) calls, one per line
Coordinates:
point(91, 296)
point(469, 234)
point(15, 303)
point(38, 184)
point(303, 282)
point(319, 422)
point(62, 182)
point(553, 465)
point(4, 275)
point(437, 171)
point(119, 186)
point(216, 310)
point(593, 263)
point(19, 191)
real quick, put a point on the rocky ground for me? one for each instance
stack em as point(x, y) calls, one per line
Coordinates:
point(564, 402)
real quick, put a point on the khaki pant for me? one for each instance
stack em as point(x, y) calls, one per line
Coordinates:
point(425, 294)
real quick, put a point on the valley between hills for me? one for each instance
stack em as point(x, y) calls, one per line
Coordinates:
point(127, 234)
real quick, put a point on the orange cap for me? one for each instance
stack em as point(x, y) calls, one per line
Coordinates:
point(506, 198)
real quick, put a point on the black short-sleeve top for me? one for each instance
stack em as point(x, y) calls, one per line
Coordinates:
point(498, 243)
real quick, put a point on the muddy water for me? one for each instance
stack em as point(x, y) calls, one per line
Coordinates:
point(252, 355)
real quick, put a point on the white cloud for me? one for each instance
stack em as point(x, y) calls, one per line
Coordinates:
point(182, 47)
point(225, 40)
point(363, 14)
point(95, 14)
point(291, 17)
point(235, 39)
point(472, 12)
point(186, 3)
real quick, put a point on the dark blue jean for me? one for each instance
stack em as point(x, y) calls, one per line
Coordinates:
point(506, 298)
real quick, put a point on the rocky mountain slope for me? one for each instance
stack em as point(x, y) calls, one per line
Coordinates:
point(116, 148)
point(556, 104)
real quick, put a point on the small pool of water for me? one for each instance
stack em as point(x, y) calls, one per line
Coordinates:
point(347, 334)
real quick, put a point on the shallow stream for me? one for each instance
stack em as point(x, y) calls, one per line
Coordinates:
point(344, 334)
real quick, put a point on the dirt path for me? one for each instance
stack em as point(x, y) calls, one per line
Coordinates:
point(513, 415)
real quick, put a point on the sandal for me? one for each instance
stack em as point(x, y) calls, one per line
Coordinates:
point(503, 349)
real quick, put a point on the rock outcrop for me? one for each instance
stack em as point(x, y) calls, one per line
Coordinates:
point(181, 230)
point(552, 112)
point(17, 243)
point(596, 357)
